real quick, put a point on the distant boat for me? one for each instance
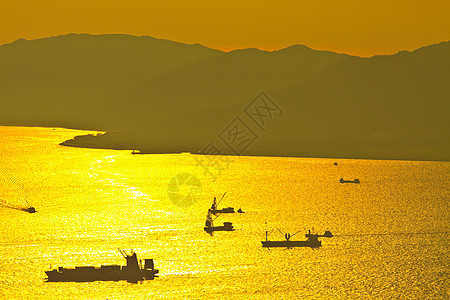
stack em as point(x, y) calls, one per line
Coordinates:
point(349, 181)
point(335, 164)
point(215, 210)
point(209, 225)
point(312, 241)
point(240, 211)
point(132, 272)
point(30, 209)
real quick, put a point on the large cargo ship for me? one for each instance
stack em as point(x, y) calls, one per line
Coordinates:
point(134, 271)
point(311, 242)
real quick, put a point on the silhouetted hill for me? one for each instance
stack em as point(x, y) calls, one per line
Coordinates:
point(68, 80)
point(385, 106)
point(229, 79)
point(163, 96)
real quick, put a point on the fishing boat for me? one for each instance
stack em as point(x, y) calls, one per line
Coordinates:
point(349, 181)
point(216, 211)
point(312, 240)
point(209, 225)
point(133, 271)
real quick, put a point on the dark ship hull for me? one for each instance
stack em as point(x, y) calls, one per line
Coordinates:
point(104, 273)
point(227, 226)
point(312, 241)
point(132, 272)
point(291, 244)
point(349, 181)
point(227, 210)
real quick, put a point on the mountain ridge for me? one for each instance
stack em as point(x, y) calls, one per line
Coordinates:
point(336, 105)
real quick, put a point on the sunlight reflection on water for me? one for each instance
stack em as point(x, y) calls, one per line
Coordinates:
point(391, 229)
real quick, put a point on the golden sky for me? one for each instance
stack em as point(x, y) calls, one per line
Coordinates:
point(355, 27)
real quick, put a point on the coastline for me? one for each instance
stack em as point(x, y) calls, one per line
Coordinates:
point(90, 141)
point(77, 142)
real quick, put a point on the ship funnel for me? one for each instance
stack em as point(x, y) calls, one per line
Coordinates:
point(149, 264)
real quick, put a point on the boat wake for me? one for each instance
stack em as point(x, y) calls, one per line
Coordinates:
point(10, 190)
point(27, 208)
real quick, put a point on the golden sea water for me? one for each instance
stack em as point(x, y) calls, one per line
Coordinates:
point(391, 230)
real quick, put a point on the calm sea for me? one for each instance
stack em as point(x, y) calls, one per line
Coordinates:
point(391, 230)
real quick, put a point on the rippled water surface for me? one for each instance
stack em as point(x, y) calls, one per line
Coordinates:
point(391, 229)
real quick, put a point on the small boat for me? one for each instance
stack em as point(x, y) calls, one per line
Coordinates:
point(349, 181)
point(30, 209)
point(240, 211)
point(312, 241)
point(327, 234)
point(216, 211)
point(209, 225)
point(134, 271)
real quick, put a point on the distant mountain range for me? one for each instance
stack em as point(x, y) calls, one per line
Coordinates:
point(162, 96)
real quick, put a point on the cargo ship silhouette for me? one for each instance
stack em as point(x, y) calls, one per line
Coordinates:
point(132, 272)
point(215, 211)
point(209, 225)
point(311, 242)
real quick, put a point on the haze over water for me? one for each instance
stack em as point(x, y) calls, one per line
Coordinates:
point(391, 230)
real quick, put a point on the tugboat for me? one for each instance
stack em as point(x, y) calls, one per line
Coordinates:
point(132, 272)
point(349, 181)
point(215, 210)
point(210, 228)
point(311, 242)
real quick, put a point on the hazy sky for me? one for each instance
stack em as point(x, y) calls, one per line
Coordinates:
point(351, 26)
